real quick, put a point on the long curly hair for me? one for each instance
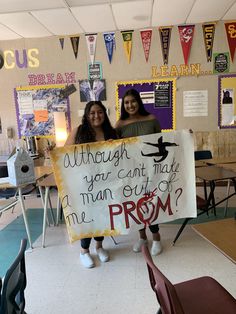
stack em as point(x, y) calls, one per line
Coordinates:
point(141, 110)
point(86, 133)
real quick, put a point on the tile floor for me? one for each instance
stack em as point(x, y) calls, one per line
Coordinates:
point(58, 284)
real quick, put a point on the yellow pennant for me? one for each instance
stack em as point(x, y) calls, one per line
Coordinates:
point(127, 41)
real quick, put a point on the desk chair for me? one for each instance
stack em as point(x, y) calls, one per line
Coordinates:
point(14, 283)
point(199, 155)
point(202, 154)
point(203, 295)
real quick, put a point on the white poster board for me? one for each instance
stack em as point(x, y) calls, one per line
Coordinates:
point(109, 188)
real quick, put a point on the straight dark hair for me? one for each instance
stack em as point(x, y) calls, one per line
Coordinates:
point(141, 110)
point(86, 133)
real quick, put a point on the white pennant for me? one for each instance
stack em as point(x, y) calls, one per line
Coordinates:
point(91, 43)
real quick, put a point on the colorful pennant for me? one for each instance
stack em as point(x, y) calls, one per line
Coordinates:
point(75, 44)
point(146, 37)
point(127, 42)
point(208, 34)
point(91, 44)
point(165, 34)
point(61, 39)
point(109, 39)
point(186, 37)
point(231, 36)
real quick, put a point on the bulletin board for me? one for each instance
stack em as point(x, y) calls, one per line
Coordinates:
point(158, 96)
point(35, 106)
point(227, 101)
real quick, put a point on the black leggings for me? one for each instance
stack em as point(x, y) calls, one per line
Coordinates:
point(85, 243)
point(153, 228)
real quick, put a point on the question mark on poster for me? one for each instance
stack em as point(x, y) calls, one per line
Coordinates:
point(180, 192)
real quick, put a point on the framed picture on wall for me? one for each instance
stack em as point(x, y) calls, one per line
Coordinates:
point(92, 90)
point(226, 101)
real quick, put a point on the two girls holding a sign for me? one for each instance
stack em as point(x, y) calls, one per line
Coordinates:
point(95, 127)
point(136, 121)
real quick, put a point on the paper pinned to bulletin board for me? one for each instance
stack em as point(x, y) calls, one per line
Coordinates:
point(226, 101)
point(158, 96)
point(35, 106)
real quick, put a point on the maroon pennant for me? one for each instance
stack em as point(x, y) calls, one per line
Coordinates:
point(230, 29)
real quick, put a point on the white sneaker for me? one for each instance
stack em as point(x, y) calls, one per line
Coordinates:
point(138, 245)
point(86, 260)
point(156, 248)
point(102, 255)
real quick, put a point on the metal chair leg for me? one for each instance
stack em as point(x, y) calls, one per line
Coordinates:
point(116, 243)
point(226, 204)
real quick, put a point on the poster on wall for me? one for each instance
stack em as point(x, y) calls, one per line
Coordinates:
point(35, 106)
point(92, 90)
point(154, 179)
point(221, 63)
point(226, 101)
point(95, 71)
point(161, 102)
point(195, 103)
point(162, 94)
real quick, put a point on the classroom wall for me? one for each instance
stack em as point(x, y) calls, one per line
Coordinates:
point(55, 60)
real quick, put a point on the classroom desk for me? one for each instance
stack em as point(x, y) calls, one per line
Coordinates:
point(47, 183)
point(229, 166)
point(199, 163)
point(40, 172)
point(212, 174)
point(222, 234)
point(222, 160)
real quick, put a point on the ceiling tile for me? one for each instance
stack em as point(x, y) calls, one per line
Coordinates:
point(170, 12)
point(207, 11)
point(7, 34)
point(132, 15)
point(94, 18)
point(24, 24)
point(231, 14)
point(75, 3)
point(58, 21)
point(28, 5)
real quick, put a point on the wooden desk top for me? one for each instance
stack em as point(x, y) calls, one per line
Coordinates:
point(200, 163)
point(230, 166)
point(223, 160)
point(220, 233)
point(48, 181)
point(40, 172)
point(214, 173)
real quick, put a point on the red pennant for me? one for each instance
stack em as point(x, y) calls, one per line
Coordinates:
point(231, 35)
point(186, 37)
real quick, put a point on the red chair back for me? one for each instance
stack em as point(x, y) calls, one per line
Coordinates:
point(165, 291)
